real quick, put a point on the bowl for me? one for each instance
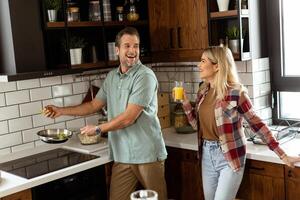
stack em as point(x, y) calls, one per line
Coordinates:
point(55, 135)
point(89, 139)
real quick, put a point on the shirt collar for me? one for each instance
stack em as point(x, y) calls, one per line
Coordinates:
point(131, 70)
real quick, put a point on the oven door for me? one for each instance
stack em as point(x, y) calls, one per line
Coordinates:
point(86, 185)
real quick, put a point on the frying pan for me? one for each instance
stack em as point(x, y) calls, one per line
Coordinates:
point(55, 135)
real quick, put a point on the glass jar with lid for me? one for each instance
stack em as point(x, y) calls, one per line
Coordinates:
point(132, 14)
point(73, 14)
point(94, 11)
point(119, 13)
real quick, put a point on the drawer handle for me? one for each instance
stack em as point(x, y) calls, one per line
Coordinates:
point(290, 173)
point(258, 168)
point(171, 38)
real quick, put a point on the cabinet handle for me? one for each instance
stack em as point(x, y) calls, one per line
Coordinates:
point(290, 173)
point(258, 168)
point(178, 37)
point(171, 38)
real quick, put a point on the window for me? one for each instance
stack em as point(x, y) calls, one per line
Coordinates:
point(284, 43)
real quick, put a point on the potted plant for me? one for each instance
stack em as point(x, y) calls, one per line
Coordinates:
point(223, 5)
point(52, 7)
point(233, 34)
point(76, 44)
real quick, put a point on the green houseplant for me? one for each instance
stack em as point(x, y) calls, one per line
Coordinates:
point(233, 34)
point(75, 44)
point(52, 7)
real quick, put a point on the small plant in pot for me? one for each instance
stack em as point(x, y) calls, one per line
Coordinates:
point(233, 34)
point(52, 7)
point(76, 44)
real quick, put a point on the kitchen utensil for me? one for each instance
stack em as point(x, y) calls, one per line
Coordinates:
point(55, 135)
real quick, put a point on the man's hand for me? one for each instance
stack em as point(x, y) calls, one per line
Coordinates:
point(290, 160)
point(52, 111)
point(88, 130)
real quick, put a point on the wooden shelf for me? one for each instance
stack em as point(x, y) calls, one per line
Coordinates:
point(126, 23)
point(100, 64)
point(223, 14)
point(96, 24)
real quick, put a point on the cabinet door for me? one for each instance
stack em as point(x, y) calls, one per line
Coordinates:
point(191, 24)
point(23, 195)
point(292, 183)
point(262, 180)
point(159, 22)
point(183, 175)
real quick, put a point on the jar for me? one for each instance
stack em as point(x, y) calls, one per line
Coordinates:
point(73, 14)
point(94, 11)
point(132, 14)
point(181, 122)
point(120, 14)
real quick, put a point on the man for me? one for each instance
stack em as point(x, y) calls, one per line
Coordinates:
point(135, 138)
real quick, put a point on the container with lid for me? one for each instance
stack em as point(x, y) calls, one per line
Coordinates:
point(94, 11)
point(119, 13)
point(73, 14)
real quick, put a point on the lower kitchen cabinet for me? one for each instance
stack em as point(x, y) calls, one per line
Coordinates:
point(292, 183)
point(263, 181)
point(183, 175)
point(23, 195)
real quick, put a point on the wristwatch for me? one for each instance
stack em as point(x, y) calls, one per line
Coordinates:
point(98, 130)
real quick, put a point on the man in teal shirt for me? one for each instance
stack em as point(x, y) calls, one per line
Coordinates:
point(135, 138)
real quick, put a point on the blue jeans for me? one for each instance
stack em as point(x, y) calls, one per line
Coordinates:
point(220, 182)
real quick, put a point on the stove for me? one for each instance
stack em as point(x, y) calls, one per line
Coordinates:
point(43, 163)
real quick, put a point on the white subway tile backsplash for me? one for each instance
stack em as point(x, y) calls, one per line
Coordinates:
point(50, 81)
point(2, 99)
point(164, 87)
point(93, 119)
point(76, 123)
point(56, 125)
point(20, 124)
point(184, 68)
point(8, 86)
point(73, 100)
point(3, 127)
point(63, 118)
point(11, 139)
point(259, 77)
point(241, 66)
point(162, 76)
point(9, 112)
point(80, 87)
point(31, 108)
point(68, 79)
point(22, 147)
point(246, 78)
point(57, 102)
point(175, 76)
point(62, 90)
point(28, 84)
point(40, 93)
point(195, 77)
point(41, 120)
point(17, 97)
point(31, 134)
point(5, 151)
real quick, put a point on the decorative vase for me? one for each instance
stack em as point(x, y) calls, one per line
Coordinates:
point(52, 15)
point(234, 45)
point(76, 56)
point(223, 5)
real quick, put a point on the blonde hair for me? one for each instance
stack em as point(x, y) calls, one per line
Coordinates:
point(227, 76)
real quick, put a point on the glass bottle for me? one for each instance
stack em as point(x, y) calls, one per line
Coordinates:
point(120, 14)
point(94, 11)
point(132, 14)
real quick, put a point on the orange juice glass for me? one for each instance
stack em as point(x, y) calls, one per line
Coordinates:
point(178, 91)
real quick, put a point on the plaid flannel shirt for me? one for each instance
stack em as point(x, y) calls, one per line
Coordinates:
point(229, 114)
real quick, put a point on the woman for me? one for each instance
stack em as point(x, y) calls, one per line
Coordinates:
point(221, 105)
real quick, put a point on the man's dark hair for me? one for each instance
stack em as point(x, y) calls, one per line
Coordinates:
point(129, 31)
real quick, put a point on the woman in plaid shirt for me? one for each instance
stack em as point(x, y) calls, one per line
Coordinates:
point(221, 105)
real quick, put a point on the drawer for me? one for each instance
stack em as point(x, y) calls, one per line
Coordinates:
point(163, 110)
point(164, 122)
point(265, 168)
point(163, 99)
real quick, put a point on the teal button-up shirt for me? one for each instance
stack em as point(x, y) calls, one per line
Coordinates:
point(141, 142)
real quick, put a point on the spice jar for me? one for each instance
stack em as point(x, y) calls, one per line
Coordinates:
point(94, 11)
point(73, 14)
point(120, 14)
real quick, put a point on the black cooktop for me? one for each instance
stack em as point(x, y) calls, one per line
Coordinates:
point(43, 163)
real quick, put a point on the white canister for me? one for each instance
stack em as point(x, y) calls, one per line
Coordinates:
point(144, 195)
point(112, 55)
point(223, 5)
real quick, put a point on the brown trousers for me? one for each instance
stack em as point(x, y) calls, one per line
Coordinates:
point(125, 178)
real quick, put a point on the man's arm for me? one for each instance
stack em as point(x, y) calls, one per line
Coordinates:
point(123, 120)
point(79, 110)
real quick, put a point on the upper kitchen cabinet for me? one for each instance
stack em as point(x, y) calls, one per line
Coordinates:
point(21, 37)
point(178, 29)
point(241, 27)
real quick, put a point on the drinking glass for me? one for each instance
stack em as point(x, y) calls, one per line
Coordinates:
point(178, 91)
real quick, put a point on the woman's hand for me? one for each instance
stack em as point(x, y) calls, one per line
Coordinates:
point(88, 130)
point(290, 160)
point(52, 111)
